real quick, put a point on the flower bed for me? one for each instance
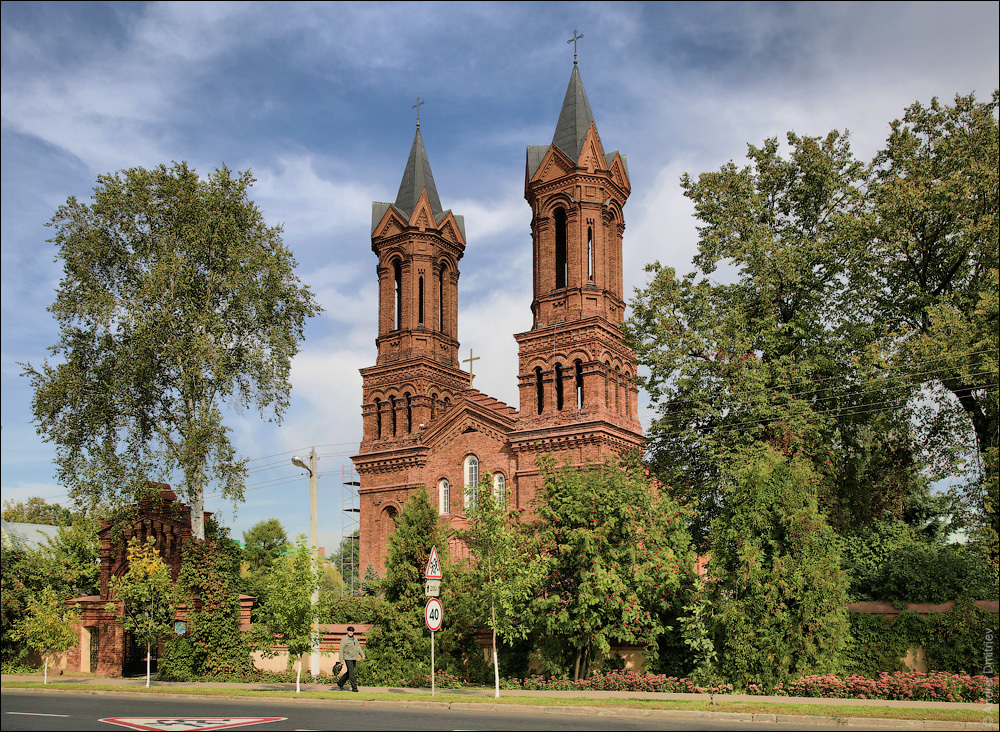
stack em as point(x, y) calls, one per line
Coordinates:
point(935, 686)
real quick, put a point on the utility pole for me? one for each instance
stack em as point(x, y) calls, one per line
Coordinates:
point(313, 544)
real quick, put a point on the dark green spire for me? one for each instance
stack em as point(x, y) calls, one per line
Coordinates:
point(416, 179)
point(575, 118)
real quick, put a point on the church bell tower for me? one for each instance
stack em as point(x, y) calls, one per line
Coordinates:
point(576, 376)
point(418, 246)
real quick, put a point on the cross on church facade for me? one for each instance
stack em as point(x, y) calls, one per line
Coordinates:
point(417, 107)
point(573, 40)
point(469, 361)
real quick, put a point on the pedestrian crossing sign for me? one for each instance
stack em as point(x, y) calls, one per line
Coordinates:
point(433, 570)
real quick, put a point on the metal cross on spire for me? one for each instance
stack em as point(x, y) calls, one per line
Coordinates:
point(470, 361)
point(573, 40)
point(417, 107)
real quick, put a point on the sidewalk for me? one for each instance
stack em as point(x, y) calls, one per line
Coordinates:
point(56, 681)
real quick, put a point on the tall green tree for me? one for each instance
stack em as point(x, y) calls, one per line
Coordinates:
point(177, 298)
point(776, 350)
point(928, 266)
point(144, 597)
point(49, 626)
point(617, 558)
point(775, 576)
point(288, 611)
point(506, 572)
point(400, 644)
point(263, 543)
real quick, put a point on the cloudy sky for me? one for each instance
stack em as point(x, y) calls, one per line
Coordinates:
point(316, 99)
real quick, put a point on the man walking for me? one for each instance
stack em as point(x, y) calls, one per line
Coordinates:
point(350, 652)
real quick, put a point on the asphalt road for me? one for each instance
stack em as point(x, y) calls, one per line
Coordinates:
point(57, 711)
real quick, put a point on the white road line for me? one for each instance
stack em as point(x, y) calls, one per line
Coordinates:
point(37, 714)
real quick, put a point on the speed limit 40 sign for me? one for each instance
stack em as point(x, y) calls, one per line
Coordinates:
point(433, 614)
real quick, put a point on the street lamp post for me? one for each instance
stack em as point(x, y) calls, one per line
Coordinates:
point(313, 543)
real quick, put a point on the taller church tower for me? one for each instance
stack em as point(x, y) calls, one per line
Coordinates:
point(576, 376)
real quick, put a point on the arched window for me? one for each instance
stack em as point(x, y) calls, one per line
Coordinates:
point(627, 386)
point(559, 387)
point(618, 390)
point(444, 496)
point(471, 481)
point(397, 275)
point(409, 413)
point(378, 418)
point(607, 384)
point(590, 250)
point(562, 262)
point(392, 406)
point(387, 524)
point(539, 389)
point(420, 301)
point(434, 404)
point(499, 489)
point(441, 279)
point(578, 367)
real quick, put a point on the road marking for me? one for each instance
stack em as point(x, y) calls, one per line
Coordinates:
point(37, 714)
point(187, 724)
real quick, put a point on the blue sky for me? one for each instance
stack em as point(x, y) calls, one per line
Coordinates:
point(316, 99)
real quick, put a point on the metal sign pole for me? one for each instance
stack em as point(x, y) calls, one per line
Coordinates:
point(432, 663)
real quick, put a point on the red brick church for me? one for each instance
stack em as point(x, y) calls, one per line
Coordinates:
point(424, 423)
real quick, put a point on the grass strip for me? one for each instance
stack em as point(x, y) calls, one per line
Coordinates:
point(986, 715)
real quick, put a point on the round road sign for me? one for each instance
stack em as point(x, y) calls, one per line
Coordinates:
point(433, 614)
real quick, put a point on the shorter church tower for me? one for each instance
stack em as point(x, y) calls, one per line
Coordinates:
point(418, 246)
point(416, 374)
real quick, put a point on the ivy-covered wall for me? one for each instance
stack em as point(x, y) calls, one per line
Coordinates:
point(953, 641)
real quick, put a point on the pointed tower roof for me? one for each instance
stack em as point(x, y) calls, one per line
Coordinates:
point(417, 178)
point(574, 119)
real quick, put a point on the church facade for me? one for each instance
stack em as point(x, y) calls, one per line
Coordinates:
point(424, 423)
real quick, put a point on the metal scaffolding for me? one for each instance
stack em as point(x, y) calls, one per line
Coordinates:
point(350, 529)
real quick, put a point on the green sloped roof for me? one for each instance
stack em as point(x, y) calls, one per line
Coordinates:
point(416, 179)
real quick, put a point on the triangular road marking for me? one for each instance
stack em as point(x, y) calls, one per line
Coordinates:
point(184, 724)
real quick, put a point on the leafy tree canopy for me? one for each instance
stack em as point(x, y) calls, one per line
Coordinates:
point(176, 298)
point(617, 559)
point(264, 542)
point(853, 323)
point(928, 267)
point(49, 626)
point(36, 511)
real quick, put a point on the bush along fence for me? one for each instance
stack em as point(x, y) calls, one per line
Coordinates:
point(888, 686)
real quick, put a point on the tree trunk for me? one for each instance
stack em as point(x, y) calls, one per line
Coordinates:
point(147, 664)
point(197, 498)
point(496, 665)
point(45, 670)
point(298, 676)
